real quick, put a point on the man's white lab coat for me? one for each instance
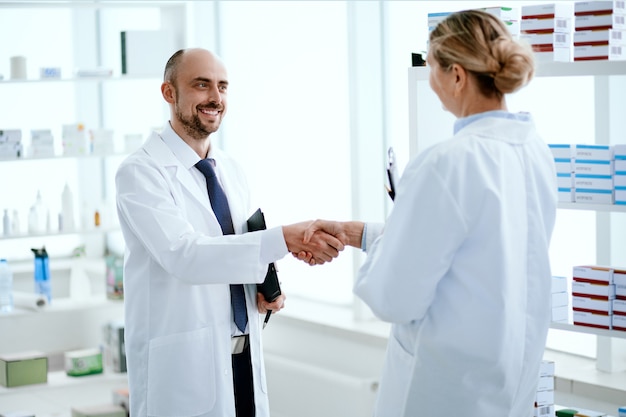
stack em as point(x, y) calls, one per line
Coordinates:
point(177, 272)
point(462, 272)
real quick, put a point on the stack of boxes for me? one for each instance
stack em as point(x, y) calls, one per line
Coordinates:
point(593, 174)
point(600, 30)
point(75, 141)
point(544, 399)
point(548, 29)
point(619, 178)
point(509, 15)
point(41, 143)
point(10, 144)
point(587, 173)
point(564, 164)
point(560, 300)
point(619, 304)
point(593, 292)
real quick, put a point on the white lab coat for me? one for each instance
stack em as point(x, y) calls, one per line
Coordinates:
point(462, 271)
point(177, 272)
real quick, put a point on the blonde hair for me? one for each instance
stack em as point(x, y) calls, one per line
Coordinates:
point(482, 44)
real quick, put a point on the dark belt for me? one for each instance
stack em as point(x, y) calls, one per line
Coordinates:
point(239, 343)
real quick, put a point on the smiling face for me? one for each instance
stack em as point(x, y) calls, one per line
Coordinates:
point(196, 92)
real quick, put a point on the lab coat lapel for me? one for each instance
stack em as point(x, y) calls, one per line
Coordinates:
point(164, 156)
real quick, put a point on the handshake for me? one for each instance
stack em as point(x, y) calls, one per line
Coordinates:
point(320, 241)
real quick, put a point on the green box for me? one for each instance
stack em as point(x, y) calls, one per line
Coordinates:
point(24, 368)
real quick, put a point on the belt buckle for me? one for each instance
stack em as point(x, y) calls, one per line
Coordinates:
point(239, 343)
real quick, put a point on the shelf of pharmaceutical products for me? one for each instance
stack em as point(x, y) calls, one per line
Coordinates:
point(53, 157)
point(94, 230)
point(554, 69)
point(589, 330)
point(96, 77)
point(593, 207)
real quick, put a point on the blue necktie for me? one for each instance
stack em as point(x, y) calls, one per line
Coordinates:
point(219, 203)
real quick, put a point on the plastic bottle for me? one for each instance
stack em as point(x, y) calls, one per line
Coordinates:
point(6, 287)
point(6, 223)
point(67, 204)
point(42, 273)
point(37, 216)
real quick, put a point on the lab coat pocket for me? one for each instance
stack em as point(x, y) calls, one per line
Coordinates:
point(181, 374)
point(396, 380)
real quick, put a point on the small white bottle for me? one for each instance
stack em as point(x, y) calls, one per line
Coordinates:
point(6, 287)
point(6, 223)
point(15, 224)
point(67, 209)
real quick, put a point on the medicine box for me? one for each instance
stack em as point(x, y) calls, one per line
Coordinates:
point(547, 42)
point(619, 180)
point(620, 292)
point(587, 319)
point(619, 322)
point(556, 24)
point(24, 368)
point(544, 411)
point(593, 167)
point(543, 398)
point(600, 37)
point(83, 362)
point(593, 182)
point(557, 54)
point(559, 150)
point(594, 152)
point(435, 18)
point(504, 13)
point(546, 383)
point(560, 299)
point(599, 7)
point(113, 349)
point(145, 51)
point(601, 21)
point(560, 314)
point(620, 164)
point(620, 195)
point(106, 410)
point(592, 305)
point(551, 10)
point(585, 289)
point(588, 273)
point(559, 284)
point(564, 165)
point(546, 368)
point(619, 277)
point(566, 195)
point(619, 307)
point(600, 52)
point(593, 196)
point(619, 150)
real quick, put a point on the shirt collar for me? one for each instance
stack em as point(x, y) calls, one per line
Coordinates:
point(461, 123)
point(185, 154)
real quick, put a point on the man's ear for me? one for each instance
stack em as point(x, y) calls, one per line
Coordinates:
point(168, 92)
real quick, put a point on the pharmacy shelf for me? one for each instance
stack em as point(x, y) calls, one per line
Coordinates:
point(589, 330)
point(95, 230)
point(85, 78)
point(54, 157)
point(593, 207)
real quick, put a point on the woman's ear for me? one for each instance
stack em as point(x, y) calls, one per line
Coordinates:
point(460, 79)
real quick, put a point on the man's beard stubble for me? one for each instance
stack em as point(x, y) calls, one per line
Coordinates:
point(193, 125)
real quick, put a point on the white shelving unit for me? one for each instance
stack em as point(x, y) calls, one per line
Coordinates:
point(427, 123)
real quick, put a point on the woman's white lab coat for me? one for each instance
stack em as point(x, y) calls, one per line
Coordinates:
point(462, 272)
point(177, 272)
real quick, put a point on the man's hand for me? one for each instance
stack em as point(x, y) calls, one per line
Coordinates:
point(276, 305)
point(349, 233)
point(322, 247)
